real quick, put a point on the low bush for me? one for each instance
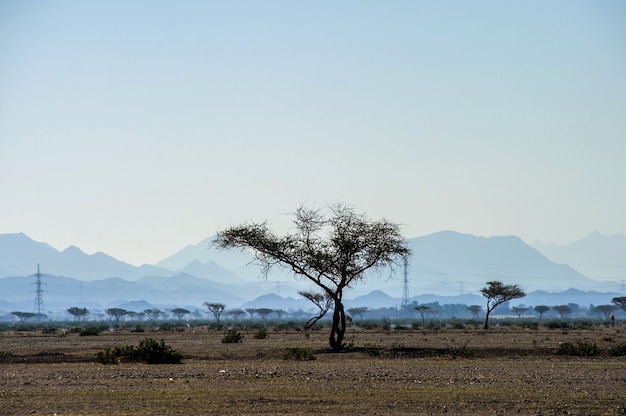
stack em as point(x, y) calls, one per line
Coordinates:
point(298, 354)
point(149, 351)
point(138, 328)
point(261, 333)
point(232, 337)
point(89, 331)
point(558, 325)
point(618, 350)
point(49, 330)
point(166, 326)
point(582, 349)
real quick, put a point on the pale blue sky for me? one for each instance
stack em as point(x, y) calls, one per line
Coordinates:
point(136, 128)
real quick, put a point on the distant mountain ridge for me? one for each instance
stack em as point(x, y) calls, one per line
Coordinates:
point(446, 263)
point(599, 256)
point(19, 256)
point(461, 259)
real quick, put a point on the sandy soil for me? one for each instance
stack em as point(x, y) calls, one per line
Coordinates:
point(417, 372)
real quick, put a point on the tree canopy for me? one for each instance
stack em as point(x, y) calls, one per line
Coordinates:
point(620, 302)
point(216, 309)
point(333, 252)
point(497, 293)
point(180, 312)
point(78, 313)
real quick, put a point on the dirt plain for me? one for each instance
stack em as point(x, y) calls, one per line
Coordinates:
point(508, 370)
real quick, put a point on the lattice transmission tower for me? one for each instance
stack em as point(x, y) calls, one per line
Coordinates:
point(406, 298)
point(38, 309)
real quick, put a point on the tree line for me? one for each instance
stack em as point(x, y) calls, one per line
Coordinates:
point(333, 251)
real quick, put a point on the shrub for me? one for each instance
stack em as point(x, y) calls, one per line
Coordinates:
point(49, 330)
point(138, 328)
point(582, 349)
point(89, 331)
point(618, 350)
point(149, 351)
point(386, 324)
point(298, 354)
point(261, 333)
point(166, 326)
point(232, 337)
point(557, 325)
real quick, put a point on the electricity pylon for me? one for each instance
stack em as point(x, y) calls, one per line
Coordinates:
point(39, 309)
point(405, 287)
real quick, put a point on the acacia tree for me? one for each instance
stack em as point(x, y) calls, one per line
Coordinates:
point(423, 310)
point(116, 313)
point(497, 293)
point(22, 316)
point(264, 313)
point(216, 309)
point(152, 314)
point(563, 310)
point(332, 252)
point(519, 310)
point(78, 313)
point(180, 312)
point(235, 313)
point(541, 309)
point(360, 310)
point(606, 310)
point(475, 310)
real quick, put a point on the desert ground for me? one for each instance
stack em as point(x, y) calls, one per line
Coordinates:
point(503, 370)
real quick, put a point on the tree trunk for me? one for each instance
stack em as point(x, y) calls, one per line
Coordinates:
point(338, 329)
point(487, 319)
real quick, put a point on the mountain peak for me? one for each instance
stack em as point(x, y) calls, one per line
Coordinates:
point(72, 250)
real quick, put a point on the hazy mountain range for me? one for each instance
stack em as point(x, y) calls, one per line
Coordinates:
point(600, 257)
point(444, 264)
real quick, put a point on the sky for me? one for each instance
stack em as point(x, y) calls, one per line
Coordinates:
point(137, 128)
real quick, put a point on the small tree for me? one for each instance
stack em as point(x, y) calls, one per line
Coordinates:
point(22, 316)
point(264, 313)
point(235, 313)
point(606, 310)
point(333, 253)
point(280, 313)
point(323, 302)
point(475, 310)
point(78, 313)
point(563, 310)
point(251, 312)
point(423, 310)
point(116, 313)
point(358, 311)
point(519, 310)
point(134, 315)
point(180, 312)
point(152, 314)
point(541, 309)
point(497, 293)
point(216, 309)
